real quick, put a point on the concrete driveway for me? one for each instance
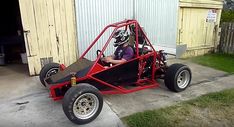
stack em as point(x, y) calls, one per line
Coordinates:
point(205, 80)
point(25, 103)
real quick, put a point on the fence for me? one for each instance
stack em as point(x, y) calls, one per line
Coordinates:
point(227, 38)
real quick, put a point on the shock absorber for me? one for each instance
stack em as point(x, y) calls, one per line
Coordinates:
point(163, 56)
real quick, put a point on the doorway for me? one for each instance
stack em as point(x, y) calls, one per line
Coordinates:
point(12, 45)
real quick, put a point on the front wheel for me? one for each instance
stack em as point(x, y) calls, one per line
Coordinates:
point(82, 103)
point(178, 77)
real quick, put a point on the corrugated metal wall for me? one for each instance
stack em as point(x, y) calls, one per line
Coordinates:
point(159, 19)
point(94, 15)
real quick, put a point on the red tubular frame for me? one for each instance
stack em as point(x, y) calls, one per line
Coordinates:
point(96, 68)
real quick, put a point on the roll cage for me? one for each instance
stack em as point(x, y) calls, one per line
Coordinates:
point(139, 73)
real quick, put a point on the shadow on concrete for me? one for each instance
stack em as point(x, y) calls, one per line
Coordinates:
point(14, 68)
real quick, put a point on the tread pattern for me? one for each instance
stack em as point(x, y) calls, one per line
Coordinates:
point(70, 97)
point(171, 75)
point(45, 69)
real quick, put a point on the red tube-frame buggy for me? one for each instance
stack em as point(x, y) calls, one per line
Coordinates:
point(82, 101)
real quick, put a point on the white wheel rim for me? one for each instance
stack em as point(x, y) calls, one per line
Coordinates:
point(51, 72)
point(85, 106)
point(183, 79)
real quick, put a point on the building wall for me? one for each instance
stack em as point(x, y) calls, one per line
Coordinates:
point(93, 16)
point(50, 33)
point(158, 17)
point(202, 3)
point(54, 28)
point(194, 30)
point(50, 25)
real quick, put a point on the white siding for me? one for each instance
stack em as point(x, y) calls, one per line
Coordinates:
point(93, 15)
point(159, 19)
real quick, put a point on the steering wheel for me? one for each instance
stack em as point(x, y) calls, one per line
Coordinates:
point(98, 52)
point(102, 62)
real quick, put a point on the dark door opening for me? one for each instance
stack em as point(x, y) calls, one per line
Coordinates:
point(12, 46)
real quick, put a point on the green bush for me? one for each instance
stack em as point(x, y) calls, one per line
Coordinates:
point(227, 16)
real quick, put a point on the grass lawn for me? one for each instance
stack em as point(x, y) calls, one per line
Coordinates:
point(215, 109)
point(222, 62)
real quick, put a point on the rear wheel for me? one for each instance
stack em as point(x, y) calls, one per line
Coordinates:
point(48, 70)
point(177, 77)
point(82, 103)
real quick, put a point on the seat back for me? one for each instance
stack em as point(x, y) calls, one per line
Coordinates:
point(132, 44)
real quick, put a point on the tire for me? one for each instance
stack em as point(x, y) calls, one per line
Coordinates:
point(177, 77)
point(48, 70)
point(86, 96)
